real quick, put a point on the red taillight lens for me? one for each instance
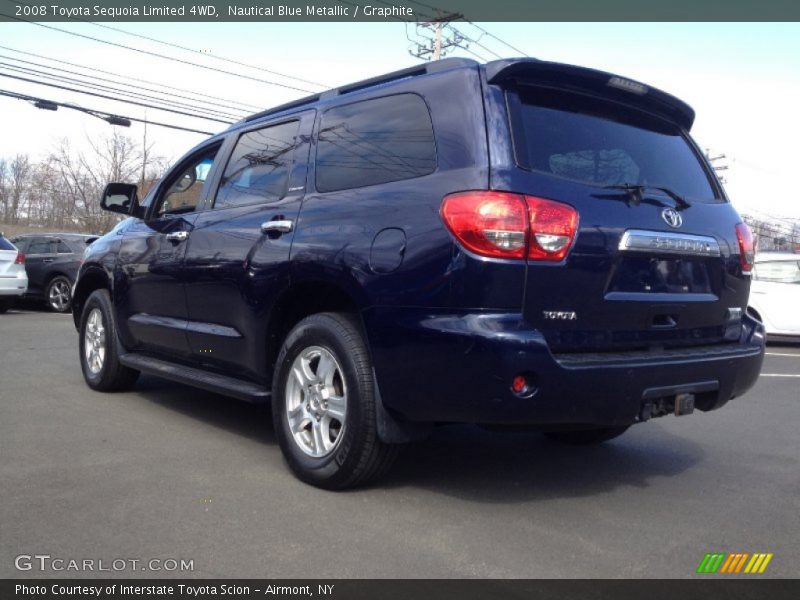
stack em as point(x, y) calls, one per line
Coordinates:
point(747, 251)
point(506, 225)
point(553, 227)
point(20, 260)
point(493, 224)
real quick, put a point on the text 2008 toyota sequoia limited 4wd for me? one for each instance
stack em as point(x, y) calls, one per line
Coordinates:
point(516, 243)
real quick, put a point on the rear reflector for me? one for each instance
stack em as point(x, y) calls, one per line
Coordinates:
point(507, 225)
point(20, 260)
point(746, 247)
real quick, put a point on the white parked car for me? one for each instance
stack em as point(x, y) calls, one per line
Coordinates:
point(13, 279)
point(775, 293)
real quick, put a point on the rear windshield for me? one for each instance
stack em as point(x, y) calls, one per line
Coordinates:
point(603, 143)
point(6, 245)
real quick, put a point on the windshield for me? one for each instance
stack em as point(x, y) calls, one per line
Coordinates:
point(602, 143)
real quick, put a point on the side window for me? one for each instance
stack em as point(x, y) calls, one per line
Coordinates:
point(62, 248)
point(40, 246)
point(258, 170)
point(375, 141)
point(20, 243)
point(184, 189)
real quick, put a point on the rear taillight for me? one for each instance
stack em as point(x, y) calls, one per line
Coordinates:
point(20, 260)
point(506, 225)
point(746, 247)
point(493, 224)
point(553, 227)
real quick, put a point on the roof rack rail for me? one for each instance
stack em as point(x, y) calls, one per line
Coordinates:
point(424, 69)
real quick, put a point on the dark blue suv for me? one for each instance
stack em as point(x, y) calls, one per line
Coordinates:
point(520, 243)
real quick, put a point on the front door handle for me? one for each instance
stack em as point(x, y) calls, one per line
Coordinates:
point(277, 226)
point(178, 236)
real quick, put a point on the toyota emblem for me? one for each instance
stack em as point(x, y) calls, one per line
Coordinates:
point(672, 217)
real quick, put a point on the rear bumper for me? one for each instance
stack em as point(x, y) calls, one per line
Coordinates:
point(13, 286)
point(459, 368)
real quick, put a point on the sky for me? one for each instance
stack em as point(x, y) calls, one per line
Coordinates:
point(742, 79)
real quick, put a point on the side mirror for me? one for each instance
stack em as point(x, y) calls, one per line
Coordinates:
point(121, 198)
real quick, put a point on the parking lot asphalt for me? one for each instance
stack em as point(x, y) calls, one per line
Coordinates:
point(166, 471)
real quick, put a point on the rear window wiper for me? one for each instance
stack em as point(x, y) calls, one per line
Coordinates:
point(636, 191)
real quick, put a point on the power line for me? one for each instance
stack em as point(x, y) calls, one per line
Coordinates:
point(156, 54)
point(244, 106)
point(173, 45)
point(96, 86)
point(96, 113)
point(222, 58)
point(484, 31)
point(94, 78)
point(474, 41)
point(164, 85)
point(145, 105)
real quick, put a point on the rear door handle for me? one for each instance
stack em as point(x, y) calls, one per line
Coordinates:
point(178, 236)
point(278, 226)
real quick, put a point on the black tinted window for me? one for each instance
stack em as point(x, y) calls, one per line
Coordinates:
point(6, 245)
point(601, 143)
point(258, 170)
point(40, 246)
point(375, 141)
point(62, 248)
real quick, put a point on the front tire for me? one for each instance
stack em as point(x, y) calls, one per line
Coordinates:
point(98, 347)
point(324, 402)
point(59, 294)
point(587, 437)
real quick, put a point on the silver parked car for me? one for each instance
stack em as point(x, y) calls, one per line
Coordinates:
point(13, 278)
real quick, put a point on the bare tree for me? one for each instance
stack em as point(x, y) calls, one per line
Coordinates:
point(18, 173)
point(63, 190)
point(3, 188)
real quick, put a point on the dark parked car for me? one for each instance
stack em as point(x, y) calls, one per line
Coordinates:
point(516, 243)
point(52, 262)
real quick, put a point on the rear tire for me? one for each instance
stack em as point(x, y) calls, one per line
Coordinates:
point(58, 294)
point(586, 437)
point(5, 304)
point(99, 349)
point(324, 402)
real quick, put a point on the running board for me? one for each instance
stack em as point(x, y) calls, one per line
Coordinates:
point(220, 384)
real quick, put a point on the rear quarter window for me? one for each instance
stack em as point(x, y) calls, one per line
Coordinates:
point(63, 248)
point(602, 143)
point(375, 141)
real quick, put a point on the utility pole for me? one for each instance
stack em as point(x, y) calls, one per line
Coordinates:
point(718, 168)
point(434, 48)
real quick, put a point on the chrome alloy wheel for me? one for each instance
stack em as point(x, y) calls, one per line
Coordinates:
point(316, 401)
point(94, 341)
point(59, 295)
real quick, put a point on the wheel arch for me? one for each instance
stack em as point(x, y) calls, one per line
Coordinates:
point(300, 300)
point(311, 296)
point(91, 278)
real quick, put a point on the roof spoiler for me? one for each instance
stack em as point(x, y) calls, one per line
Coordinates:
point(608, 85)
